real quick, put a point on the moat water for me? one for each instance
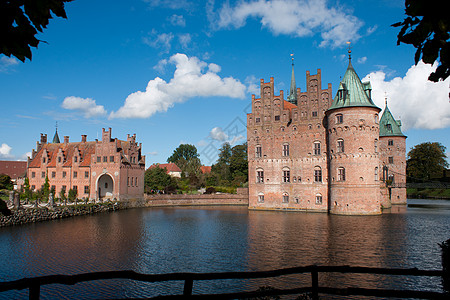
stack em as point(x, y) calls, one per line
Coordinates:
point(217, 239)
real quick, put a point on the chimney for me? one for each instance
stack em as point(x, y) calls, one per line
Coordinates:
point(66, 139)
point(83, 138)
point(43, 138)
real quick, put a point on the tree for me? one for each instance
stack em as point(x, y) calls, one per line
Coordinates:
point(156, 178)
point(239, 164)
point(5, 182)
point(427, 28)
point(20, 21)
point(186, 158)
point(221, 169)
point(46, 188)
point(426, 160)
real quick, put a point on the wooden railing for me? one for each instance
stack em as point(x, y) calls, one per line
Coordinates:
point(34, 284)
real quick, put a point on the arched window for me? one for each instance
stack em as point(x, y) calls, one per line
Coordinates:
point(341, 174)
point(376, 174)
point(316, 148)
point(340, 145)
point(285, 197)
point(317, 174)
point(318, 199)
point(259, 175)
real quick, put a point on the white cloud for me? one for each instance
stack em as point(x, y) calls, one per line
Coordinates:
point(185, 40)
point(218, 134)
point(161, 41)
point(5, 151)
point(177, 20)
point(6, 63)
point(300, 18)
point(189, 81)
point(418, 102)
point(86, 106)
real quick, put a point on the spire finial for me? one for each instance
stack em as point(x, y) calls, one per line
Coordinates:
point(349, 51)
point(292, 57)
point(385, 99)
point(56, 125)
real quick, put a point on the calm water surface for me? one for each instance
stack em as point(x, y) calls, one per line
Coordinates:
point(217, 239)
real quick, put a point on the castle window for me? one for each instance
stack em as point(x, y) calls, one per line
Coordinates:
point(261, 198)
point(286, 176)
point(391, 159)
point(258, 151)
point(318, 199)
point(316, 148)
point(105, 159)
point(75, 159)
point(75, 174)
point(86, 189)
point(99, 159)
point(53, 188)
point(314, 114)
point(111, 158)
point(33, 174)
point(341, 174)
point(43, 160)
point(42, 174)
point(390, 142)
point(257, 120)
point(64, 174)
point(75, 188)
point(389, 127)
point(53, 174)
point(33, 187)
point(277, 118)
point(285, 149)
point(59, 159)
point(317, 174)
point(63, 189)
point(135, 181)
point(86, 174)
point(376, 174)
point(376, 118)
point(259, 176)
point(285, 198)
point(340, 145)
point(376, 146)
point(391, 179)
point(339, 119)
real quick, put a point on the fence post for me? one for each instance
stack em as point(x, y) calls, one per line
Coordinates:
point(315, 282)
point(188, 283)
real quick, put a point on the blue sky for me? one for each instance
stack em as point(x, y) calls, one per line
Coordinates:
point(184, 71)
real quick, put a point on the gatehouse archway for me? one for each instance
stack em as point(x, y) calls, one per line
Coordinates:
point(105, 186)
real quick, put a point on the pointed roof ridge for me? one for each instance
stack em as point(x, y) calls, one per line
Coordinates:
point(388, 125)
point(352, 92)
point(292, 97)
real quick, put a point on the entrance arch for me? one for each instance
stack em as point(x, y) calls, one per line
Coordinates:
point(105, 186)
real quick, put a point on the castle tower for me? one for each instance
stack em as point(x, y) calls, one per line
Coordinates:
point(352, 136)
point(56, 136)
point(392, 156)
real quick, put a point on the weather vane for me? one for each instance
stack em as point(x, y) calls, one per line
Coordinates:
point(292, 57)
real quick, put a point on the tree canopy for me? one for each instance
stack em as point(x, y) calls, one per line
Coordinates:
point(5, 182)
point(156, 178)
point(427, 28)
point(186, 158)
point(425, 161)
point(20, 22)
point(231, 167)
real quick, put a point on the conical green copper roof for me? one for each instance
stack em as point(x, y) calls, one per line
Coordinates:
point(352, 92)
point(388, 125)
point(293, 89)
point(56, 138)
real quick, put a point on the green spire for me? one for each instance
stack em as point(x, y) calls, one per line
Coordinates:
point(293, 90)
point(56, 137)
point(352, 92)
point(388, 125)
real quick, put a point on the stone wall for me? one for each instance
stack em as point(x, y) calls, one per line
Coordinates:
point(196, 200)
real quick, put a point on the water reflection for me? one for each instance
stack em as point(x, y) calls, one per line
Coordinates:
point(216, 239)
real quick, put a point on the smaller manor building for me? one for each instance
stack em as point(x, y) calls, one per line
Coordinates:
point(105, 169)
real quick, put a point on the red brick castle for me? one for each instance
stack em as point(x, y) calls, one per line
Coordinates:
point(106, 169)
point(313, 153)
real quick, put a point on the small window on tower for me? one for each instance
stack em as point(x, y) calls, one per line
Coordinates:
point(339, 119)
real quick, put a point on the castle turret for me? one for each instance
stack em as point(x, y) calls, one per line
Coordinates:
point(392, 156)
point(352, 134)
point(292, 97)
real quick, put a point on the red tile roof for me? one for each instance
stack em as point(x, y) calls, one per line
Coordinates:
point(13, 169)
point(170, 167)
point(205, 169)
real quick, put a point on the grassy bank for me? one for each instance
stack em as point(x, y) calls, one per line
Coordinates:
point(429, 193)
